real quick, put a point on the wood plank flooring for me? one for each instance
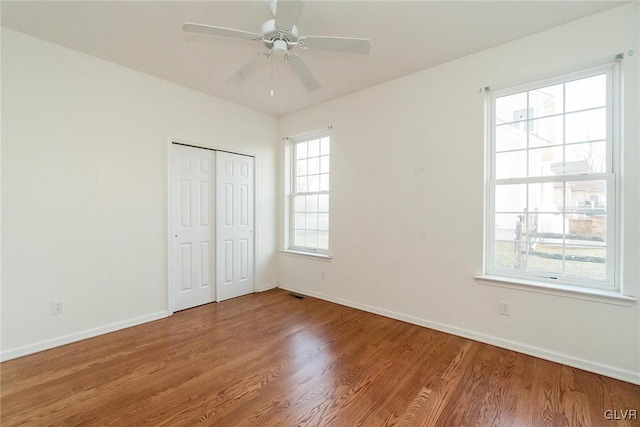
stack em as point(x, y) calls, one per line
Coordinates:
point(270, 359)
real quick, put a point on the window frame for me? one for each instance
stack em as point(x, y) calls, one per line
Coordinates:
point(611, 176)
point(290, 238)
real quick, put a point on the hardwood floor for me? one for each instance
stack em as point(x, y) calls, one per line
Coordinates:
point(271, 359)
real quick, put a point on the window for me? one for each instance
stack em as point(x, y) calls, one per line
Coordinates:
point(309, 217)
point(551, 196)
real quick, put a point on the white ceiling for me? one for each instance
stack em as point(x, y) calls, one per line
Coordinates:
point(406, 37)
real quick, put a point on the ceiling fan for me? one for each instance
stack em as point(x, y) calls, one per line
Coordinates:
point(280, 35)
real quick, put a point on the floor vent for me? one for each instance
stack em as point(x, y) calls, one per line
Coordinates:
point(296, 296)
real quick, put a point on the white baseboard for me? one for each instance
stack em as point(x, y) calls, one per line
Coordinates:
point(266, 288)
point(79, 336)
point(609, 371)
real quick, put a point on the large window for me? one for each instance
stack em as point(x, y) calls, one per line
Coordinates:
point(551, 195)
point(309, 224)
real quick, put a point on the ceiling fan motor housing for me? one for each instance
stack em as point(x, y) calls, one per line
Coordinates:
point(271, 34)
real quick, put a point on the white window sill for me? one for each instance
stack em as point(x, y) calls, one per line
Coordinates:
point(307, 254)
point(567, 291)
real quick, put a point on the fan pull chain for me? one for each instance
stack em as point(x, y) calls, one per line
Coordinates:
point(272, 75)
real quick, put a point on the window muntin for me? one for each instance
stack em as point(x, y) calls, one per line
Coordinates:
point(551, 194)
point(310, 194)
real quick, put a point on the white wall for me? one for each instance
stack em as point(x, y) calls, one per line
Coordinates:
point(407, 202)
point(84, 152)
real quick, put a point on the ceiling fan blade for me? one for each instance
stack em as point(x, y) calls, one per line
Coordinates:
point(245, 71)
point(302, 72)
point(191, 27)
point(340, 44)
point(287, 13)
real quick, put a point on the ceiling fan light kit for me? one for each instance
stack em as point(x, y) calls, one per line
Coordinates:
point(280, 47)
point(280, 35)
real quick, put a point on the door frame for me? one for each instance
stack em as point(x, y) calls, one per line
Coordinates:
point(169, 216)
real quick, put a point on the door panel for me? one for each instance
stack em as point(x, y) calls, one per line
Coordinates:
point(244, 205)
point(235, 225)
point(228, 262)
point(205, 264)
point(228, 205)
point(185, 203)
point(205, 212)
point(244, 259)
point(192, 231)
point(185, 266)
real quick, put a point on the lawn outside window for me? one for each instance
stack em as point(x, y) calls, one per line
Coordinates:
point(552, 181)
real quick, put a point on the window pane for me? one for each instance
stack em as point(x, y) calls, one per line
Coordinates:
point(300, 203)
point(511, 108)
point(544, 132)
point(299, 238)
point(586, 93)
point(586, 126)
point(324, 146)
point(301, 150)
point(585, 158)
point(511, 198)
point(311, 239)
point(312, 203)
point(313, 183)
point(299, 221)
point(505, 254)
point(312, 221)
point(586, 261)
point(324, 182)
point(581, 196)
point(323, 240)
point(314, 148)
point(545, 197)
point(301, 185)
point(323, 221)
point(586, 218)
point(546, 161)
point(591, 228)
point(506, 225)
point(323, 203)
point(301, 167)
point(314, 165)
point(549, 223)
point(511, 240)
point(546, 101)
point(510, 137)
point(511, 164)
point(324, 164)
point(543, 247)
point(545, 257)
point(528, 225)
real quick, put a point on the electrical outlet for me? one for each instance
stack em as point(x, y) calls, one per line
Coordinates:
point(57, 307)
point(323, 275)
point(505, 308)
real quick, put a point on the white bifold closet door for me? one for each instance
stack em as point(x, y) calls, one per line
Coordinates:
point(212, 226)
point(193, 218)
point(234, 225)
